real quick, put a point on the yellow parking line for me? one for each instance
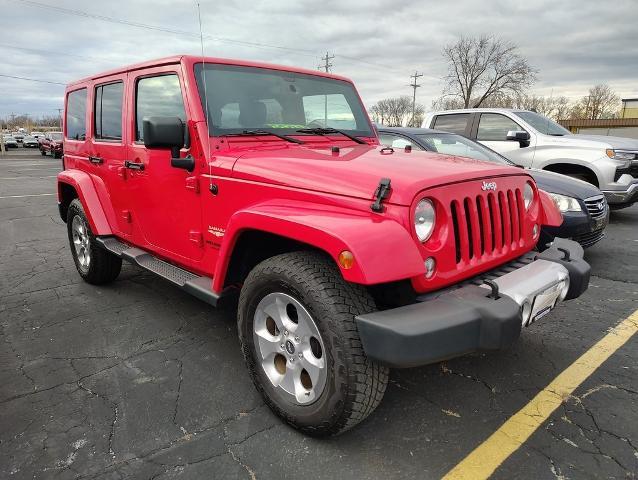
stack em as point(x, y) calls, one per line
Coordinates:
point(487, 457)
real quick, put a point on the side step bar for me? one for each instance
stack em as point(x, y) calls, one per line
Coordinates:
point(200, 287)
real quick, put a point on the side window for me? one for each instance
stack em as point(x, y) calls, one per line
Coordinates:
point(494, 127)
point(396, 141)
point(107, 113)
point(159, 96)
point(75, 119)
point(453, 123)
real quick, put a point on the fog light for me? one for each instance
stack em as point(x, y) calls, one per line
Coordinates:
point(430, 266)
point(346, 259)
point(526, 312)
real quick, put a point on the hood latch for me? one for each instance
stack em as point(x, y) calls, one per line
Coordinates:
point(382, 192)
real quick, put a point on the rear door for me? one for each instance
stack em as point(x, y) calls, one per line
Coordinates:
point(460, 123)
point(108, 148)
point(167, 212)
point(491, 131)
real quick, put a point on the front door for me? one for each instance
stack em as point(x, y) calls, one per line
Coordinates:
point(492, 132)
point(167, 214)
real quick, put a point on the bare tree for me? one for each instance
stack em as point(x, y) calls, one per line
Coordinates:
point(601, 102)
point(480, 67)
point(394, 112)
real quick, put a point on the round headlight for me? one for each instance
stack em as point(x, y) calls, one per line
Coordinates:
point(424, 217)
point(528, 195)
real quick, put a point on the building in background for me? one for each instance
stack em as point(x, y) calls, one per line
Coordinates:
point(625, 126)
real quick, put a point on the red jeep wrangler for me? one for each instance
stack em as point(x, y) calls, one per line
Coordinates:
point(52, 143)
point(267, 183)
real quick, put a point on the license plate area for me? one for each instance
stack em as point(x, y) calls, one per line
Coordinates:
point(544, 302)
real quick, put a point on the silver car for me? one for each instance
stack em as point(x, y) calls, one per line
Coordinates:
point(532, 140)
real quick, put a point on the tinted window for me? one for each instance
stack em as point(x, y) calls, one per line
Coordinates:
point(108, 111)
point(397, 141)
point(454, 123)
point(494, 127)
point(543, 124)
point(158, 97)
point(452, 144)
point(76, 115)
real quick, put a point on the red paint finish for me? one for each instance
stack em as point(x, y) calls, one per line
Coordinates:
point(305, 193)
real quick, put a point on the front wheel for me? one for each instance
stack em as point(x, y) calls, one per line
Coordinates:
point(300, 341)
point(94, 264)
point(43, 153)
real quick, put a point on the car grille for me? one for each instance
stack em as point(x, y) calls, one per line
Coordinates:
point(590, 238)
point(486, 223)
point(596, 206)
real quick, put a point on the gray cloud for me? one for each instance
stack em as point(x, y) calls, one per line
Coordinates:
point(574, 44)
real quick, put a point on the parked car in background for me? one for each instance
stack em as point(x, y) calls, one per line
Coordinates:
point(37, 134)
point(52, 143)
point(532, 140)
point(10, 141)
point(584, 209)
point(19, 136)
point(30, 142)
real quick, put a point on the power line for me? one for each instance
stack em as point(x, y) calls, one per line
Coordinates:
point(414, 86)
point(31, 79)
point(327, 65)
point(105, 18)
point(48, 52)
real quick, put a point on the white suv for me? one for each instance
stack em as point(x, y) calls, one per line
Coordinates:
point(532, 140)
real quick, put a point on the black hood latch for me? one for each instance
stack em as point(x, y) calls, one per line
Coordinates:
point(382, 192)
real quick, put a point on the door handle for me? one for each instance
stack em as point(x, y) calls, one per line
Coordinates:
point(96, 160)
point(134, 165)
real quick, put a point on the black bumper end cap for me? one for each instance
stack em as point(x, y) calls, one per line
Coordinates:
point(579, 270)
point(460, 322)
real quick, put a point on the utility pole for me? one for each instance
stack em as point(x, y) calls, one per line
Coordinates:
point(414, 86)
point(60, 117)
point(327, 65)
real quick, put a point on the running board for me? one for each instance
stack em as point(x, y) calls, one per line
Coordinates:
point(200, 287)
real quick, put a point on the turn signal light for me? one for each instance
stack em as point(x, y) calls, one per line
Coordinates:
point(346, 259)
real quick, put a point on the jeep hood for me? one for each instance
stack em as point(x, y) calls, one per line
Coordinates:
point(355, 171)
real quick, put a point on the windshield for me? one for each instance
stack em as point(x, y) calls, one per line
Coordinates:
point(251, 98)
point(452, 144)
point(56, 136)
point(542, 123)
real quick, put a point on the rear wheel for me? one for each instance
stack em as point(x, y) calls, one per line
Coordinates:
point(94, 264)
point(301, 344)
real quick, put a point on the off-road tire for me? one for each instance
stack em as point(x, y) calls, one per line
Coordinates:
point(104, 267)
point(355, 384)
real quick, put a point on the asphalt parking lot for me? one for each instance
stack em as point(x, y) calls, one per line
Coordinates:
point(140, 380)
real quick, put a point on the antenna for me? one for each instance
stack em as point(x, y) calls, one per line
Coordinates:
point(207, 155)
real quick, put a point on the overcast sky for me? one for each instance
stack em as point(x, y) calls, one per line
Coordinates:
point(573, 43)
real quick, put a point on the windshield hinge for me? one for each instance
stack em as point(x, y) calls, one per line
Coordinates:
point(382, 192)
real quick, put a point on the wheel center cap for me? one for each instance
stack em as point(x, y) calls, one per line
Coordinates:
point(290, 347)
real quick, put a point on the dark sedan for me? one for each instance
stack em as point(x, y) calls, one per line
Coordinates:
point(585, 211)
point(10, 142)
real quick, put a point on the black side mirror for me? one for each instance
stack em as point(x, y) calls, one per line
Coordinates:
point(520, 136)
point(167, 132)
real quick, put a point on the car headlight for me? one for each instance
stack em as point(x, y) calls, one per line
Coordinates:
point(528, 195)
point(619, 155)
point(424, 219)
point(566, 204)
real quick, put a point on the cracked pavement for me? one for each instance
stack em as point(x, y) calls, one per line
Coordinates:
point(139, 380)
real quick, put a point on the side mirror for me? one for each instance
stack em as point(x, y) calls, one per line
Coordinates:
point(520, 136)
point(167, 132)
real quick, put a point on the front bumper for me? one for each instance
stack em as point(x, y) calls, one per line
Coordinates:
point(622, 197)
point(472, 318)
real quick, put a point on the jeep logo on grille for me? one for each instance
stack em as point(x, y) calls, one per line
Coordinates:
point(488, 186)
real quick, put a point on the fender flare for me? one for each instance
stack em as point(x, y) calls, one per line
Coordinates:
point(382, 248)
point(550, 214)
point(87, 194)
point(576, 163)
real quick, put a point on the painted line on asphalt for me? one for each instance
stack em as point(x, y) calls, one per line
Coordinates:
point(31, 195)
point(487, 457)
point(24, 178)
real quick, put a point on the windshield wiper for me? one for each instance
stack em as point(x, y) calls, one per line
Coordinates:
point(263, 133)
point(325, 131)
